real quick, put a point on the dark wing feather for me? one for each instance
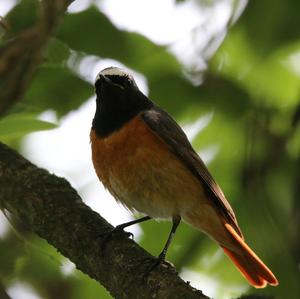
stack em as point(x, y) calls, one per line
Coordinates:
point(163, 125)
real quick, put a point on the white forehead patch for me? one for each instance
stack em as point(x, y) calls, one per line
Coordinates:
point(114, 71)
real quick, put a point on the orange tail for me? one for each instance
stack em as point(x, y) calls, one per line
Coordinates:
point(254, 270)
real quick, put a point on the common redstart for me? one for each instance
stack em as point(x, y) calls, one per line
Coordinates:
point(143, 157)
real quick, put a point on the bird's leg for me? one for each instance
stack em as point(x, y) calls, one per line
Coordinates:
point(162, 255)
point(176, 220)
point(121, 227)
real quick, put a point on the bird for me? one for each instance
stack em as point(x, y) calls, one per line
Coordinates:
point(145, 160)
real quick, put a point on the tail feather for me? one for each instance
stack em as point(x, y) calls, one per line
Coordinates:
point(253, 269)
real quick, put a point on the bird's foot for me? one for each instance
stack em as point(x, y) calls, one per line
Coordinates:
point(107, 236)
point(160, 261)
point(119, 229)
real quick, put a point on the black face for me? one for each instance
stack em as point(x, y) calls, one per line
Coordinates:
point(118, 101)
point(115, 81)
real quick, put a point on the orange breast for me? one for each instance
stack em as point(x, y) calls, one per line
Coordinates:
point(137, 167)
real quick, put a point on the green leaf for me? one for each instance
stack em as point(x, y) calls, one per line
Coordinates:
point(22, 16)
point(271, 24)
point(58, 88)
point(57, 53)
point(269, 81)
point(17, 125)
point(85, 287)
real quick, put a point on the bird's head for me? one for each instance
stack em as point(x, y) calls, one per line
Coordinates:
point(113, 80)
point(118, 100)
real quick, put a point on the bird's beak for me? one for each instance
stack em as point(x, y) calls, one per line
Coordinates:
point(105, 79)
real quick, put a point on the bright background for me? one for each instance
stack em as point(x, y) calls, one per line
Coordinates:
point(228, 71)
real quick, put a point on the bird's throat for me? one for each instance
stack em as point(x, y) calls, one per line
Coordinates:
point(111, 116)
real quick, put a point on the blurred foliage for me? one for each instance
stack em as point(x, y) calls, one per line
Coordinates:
point(252, 86)
point(19, 124)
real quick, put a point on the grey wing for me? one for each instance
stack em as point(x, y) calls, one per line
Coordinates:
point(163, 125)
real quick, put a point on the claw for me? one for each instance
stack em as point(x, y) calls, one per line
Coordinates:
point(129, 234)
point(108, 235)
point(120, 229)
point(159, 261)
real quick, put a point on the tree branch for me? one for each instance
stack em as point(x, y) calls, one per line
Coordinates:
point(3, 294)
point(50, 207)
point(20, 56)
